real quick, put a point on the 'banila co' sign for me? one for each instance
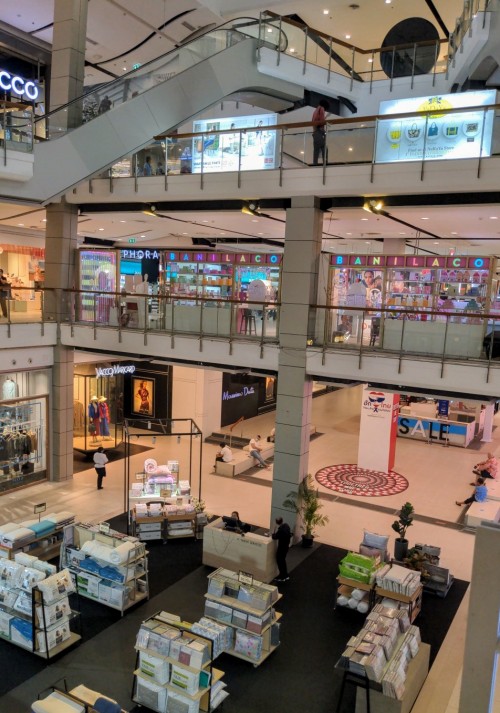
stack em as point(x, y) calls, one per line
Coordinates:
point(17, 85)
point(113, 370)
point(246, 391)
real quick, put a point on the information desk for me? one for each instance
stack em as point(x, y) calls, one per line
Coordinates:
point(436, 430)
point(252, 552)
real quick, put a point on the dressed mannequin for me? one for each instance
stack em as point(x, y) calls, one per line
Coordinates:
point(93, 412)
point(143, 287)
point(103, 416)
point(10, 389)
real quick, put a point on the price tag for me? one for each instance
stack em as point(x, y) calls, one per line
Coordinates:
point(40, 507)
point(140, 476)
point(104, 527)
point(245, 578)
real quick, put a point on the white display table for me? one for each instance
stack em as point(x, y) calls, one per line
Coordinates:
point(252, 553)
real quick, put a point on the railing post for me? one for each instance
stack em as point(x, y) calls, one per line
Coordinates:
point(372, 169)
point(279, 44)
point(353, 59)
point(413, 64)
point(392, 68)
point(110, 169)
point(444, 344)
point(202, 160)
point(165, 163)
point(261, 41)
point(401, 343)
point(135, 170)
point(424, 148)
point(305, 51)
point(436, 57)
point(371, 71)
point(490, 351)
point(281, 156)
point(239, 160)
point(330, 62)
point(479, 163)
point(325, 154)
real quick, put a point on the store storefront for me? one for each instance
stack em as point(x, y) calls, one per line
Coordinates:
point(97, 276)
point(24, 268)
point(465, 285)
point(246, 396)
point(23, 428)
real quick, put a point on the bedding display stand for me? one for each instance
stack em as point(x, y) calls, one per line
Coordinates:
point(248, 608)
point(77, 700)
point(107, 566)
point(35, 611)
point(174, 670)
point(40, 538)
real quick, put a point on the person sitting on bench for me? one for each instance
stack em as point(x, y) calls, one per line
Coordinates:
point(487, 469)
point(223, 455)
point(255, 449)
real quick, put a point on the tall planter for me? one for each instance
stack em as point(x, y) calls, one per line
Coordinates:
point(400, 549)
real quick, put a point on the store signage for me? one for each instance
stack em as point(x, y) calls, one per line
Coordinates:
point(378, 430)
point(443, 407)
point(139, 254)
point(113, 370)
point(40, 507)
point(427, 430)
point(376, 404)
point(132, 241)
point(246, 391)
point(411, 261)
point(431, 136)
point(104, 527)
point(245, 578)
point(221, 258)
point(18, 85)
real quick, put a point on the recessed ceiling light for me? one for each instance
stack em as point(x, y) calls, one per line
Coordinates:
point(302, 152)
point(255, 220)
point(435, 242)
point(269, 29)
point(370, 60)
point(326, 12)
point(101, 228)
point(348, 233)
point(44, 220)
point(454, 233)
point(367, 242)
point(184, 233)
point(123, 221)
point(364, 218)
point(204, 221)
point(21, 225)
point(402, 233)
point(424, 218)
point(350, 148)
point(260, 233)
point(124, 69)
point(292, 50)
point(348, 37)
point(493, 217)
point(387, 2)
point(143, 236)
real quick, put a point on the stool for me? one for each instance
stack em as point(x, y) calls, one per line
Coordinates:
point(358, 680)
point(249, 322)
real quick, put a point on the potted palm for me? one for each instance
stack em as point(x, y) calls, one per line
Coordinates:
point(400, 526)
point(305, 502)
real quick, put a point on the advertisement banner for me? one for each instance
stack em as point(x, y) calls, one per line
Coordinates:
point(249, 143)
point(435, 136)
point(378, 430)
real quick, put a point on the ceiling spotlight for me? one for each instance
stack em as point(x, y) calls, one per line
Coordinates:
point(373, 206)
point(251, 208)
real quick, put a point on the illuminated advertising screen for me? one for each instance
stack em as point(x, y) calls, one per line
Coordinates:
point(435, 136)
point(255, 148)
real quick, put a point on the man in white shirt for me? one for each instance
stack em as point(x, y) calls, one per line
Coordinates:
point(100, 460)
point(255, 449)
point(224, 454)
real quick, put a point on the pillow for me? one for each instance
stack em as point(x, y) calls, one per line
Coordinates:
point(371, 551)
point(371, 539)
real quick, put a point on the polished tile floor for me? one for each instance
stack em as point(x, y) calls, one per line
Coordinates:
point(437, 476)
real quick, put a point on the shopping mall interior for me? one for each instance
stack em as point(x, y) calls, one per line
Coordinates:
point(193, 258)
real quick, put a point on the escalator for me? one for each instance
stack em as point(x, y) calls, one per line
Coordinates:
point(122, 117)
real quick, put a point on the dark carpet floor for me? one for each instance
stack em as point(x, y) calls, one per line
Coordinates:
point(83, 461)
point(300, 675)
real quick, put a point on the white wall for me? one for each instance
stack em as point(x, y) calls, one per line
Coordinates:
point(196, 394)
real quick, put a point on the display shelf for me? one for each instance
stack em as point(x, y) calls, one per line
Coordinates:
point(258, 639)
point(160, 671)
point(35, 548)
point(188, 518)
point(121, 588)
point(413, 600)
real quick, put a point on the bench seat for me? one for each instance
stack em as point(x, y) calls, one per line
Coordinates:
point(477, 512)
point(242, 461)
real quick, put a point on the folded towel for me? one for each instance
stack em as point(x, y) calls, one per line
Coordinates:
point(8, 527)
point(120, 554)
point(42, 528)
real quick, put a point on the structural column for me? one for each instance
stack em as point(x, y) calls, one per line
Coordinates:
point(299, 281)
point(66, 84)
point(489, 414)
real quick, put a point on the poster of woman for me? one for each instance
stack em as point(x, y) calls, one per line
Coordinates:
point(143, 397)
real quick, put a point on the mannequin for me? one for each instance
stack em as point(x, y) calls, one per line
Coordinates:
point(10, 389)
point(93, 412)
point(103, 416)
point(143, 287)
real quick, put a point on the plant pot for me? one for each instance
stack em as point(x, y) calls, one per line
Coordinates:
point(400, 549)
point(307, 540)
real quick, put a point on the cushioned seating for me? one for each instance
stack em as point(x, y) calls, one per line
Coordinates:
point(57, 702)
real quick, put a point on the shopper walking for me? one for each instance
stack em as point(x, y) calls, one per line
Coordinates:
point(255, 452)
point(147, 169)
point(100, 460)
point(319, 131)
point(478, 496)
point(283, 535)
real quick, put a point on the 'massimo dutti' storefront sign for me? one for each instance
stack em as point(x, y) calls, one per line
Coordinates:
point(19, 86)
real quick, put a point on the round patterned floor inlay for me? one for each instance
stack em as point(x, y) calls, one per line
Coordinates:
point(351, 480)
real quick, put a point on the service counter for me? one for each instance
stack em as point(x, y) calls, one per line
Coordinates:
point(436, 430)
point(252, 552)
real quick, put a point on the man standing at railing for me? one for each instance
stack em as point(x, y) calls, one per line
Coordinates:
point(319, 131)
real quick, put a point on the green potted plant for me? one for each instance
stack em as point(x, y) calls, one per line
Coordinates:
point(400, 526)
point(305, 502)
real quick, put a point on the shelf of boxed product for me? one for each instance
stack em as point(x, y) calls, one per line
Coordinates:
point(41, 537)
point(174, 667)
point(402, 585)
point(110, 568)
point(35, 611)
point(388, 651)
point(248, 610)
point(158, 521)
point(356, 581)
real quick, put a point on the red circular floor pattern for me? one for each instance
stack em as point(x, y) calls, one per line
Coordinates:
point(351, 480)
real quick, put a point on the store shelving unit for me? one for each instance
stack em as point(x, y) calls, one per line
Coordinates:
point(29, 621)
point(345, 586)
point(255, 621)
point(36, 546)
point(199, 280)
point(184, 680)
point(179, 526)
point(414, 601)
point(120, 589)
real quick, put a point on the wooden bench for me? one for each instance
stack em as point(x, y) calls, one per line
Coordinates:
point(242, 461)
point(477, 512)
